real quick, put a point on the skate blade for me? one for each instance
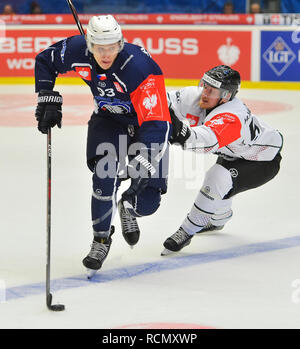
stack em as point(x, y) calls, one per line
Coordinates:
point(90, 273)
point(166, 252)
point(214, 230)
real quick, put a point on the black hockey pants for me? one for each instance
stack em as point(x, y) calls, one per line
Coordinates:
point(249, 174)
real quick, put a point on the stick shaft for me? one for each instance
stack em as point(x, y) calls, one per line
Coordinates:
point(75, 15)
point(48, 214)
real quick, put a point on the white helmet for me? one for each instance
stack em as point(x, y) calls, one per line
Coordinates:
point(103, 30)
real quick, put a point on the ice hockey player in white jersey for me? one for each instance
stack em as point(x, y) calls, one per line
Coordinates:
point(248, 149)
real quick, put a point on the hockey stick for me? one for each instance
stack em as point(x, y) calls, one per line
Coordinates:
point(75, 15)
point(54, 307)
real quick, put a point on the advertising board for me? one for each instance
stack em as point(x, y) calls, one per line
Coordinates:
point(182, 54)
point(280, 56)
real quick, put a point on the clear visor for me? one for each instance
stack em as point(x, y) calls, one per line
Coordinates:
point(106, 49)
point(213, 92)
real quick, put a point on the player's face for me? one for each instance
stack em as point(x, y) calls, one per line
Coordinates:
point(106, 54)
point(210, 97)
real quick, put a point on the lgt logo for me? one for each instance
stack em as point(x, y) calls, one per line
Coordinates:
point(279, 56)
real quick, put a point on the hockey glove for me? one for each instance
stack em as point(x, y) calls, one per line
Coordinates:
point(180, 131)
point(48, 111)
point(140, 170)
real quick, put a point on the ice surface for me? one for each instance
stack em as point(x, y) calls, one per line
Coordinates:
point(245, 276)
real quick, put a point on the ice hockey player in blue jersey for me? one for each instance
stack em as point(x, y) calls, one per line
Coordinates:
point(128, 131)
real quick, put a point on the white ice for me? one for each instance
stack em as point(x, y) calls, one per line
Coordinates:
point(245, 276)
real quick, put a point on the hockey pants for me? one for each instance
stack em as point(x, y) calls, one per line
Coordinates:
point(107, 146)
point(222, 182)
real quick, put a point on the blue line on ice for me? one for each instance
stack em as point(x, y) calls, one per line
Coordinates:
point(163, 264)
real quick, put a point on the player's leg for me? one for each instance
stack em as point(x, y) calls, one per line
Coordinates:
point(210, 209)
point(145, 203)
point(104, 158)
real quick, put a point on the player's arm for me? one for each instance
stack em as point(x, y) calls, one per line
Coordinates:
point(219, 131)
point(48, 64)
point(150, 103)
point(56, 59)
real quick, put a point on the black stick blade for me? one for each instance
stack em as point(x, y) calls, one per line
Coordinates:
point(54, 307)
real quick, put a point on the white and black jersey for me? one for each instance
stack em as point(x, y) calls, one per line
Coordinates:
point(229, 130)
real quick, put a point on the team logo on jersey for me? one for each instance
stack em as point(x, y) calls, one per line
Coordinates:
point(226, 127)
point(193, 119)
point(150, 102)
point(279, 56)
point(215, 122)
point(84, 73)
point(116, 107)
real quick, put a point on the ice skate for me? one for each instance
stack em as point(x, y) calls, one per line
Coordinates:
point(176, 242)
point(99, 251)
point(130, 228)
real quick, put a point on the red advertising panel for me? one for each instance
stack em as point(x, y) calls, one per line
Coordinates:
point(19, 48)
point(186, 54)
point(182, 54)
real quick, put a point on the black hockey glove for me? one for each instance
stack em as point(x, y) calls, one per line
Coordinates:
point(48, 111)
point(140, 170)
point(180, 131)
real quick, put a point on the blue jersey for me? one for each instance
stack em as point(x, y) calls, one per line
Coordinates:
point(132, 91)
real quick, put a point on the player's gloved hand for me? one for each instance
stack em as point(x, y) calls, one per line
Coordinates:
point(180, 131)
point(140, 170)
point(48, 111)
